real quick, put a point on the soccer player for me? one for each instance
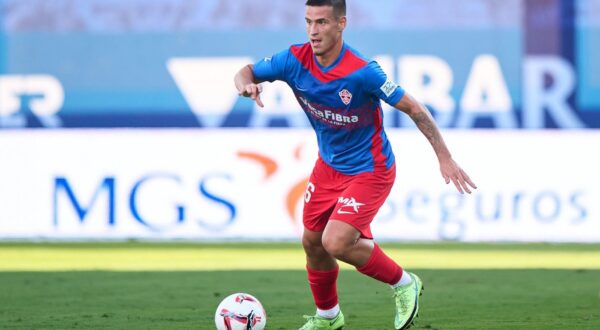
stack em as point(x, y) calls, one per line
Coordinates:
point(340, 92)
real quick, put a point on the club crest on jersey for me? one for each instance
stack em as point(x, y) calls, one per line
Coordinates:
point(346, 96)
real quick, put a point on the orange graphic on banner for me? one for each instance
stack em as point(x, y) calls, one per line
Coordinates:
point(295, 194)
point(269, 164)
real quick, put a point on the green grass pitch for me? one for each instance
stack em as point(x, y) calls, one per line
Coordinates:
point(178, 285)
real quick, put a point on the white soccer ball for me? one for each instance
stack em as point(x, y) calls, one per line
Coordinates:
point(240, 311)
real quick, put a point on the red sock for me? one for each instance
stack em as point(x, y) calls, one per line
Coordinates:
point(323, 287)
point(381, 267)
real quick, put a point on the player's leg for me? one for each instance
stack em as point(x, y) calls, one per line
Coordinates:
point(348, 237)
point(317, 257)
point(344, 242)
point(322, 271)
point(322, 268)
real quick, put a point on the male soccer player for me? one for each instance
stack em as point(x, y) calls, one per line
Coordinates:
point(340, 91)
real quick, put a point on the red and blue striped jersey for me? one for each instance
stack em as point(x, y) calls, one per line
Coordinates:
point(342, 102)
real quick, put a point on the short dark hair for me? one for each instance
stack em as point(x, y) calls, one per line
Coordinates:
point(339, 6)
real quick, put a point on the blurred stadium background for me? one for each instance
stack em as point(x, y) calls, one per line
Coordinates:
point(119, 121)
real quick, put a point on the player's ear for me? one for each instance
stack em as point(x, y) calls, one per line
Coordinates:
point(342, 23)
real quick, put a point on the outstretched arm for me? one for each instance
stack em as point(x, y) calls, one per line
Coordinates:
point(424, 121)
point(247, 85)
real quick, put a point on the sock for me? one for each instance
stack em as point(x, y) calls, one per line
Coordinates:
point(404, 280)
point(323, 287)
point(381, 267)
point(329, 313)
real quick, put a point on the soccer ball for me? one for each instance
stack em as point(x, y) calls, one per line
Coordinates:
point(240, 311)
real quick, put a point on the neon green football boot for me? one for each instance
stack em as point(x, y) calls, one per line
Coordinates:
point(407, 302)
point(317, 322)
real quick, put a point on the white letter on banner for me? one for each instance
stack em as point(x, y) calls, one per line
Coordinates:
point(47, 99)
point(537, 98)
point(13, 87)
point(429, 79)
point(207, 85)
point(486, 95)
point(52, 91)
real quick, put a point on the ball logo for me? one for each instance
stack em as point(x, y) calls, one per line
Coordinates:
point(346, 96)
point(249, 321)
point(240, 298)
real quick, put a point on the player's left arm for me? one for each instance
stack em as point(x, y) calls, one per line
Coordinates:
point(451, 171)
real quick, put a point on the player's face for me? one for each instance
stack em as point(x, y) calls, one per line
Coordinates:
point(323, 28)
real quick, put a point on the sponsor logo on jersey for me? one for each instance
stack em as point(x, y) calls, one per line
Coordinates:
point(388, 87)
point(350, 205)
point(330, 117)
point(346, 96)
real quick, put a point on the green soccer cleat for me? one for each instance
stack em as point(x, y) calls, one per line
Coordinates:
point(407, 302)
point(320, 323)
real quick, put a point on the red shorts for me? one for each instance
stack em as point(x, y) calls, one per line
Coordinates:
point(354, 199)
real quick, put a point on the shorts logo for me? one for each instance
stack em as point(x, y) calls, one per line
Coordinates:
point(388, 87)
point(350, 205)
point(346, 96)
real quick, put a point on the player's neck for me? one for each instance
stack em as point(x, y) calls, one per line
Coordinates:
point(329, 57)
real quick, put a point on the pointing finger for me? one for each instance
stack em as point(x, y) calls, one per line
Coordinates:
point(258, 101)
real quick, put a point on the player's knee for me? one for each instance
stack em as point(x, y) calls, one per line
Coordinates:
point(308, 244)
point(312, 247)
point(335, 246)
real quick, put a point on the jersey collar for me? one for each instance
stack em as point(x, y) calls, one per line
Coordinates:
point(336, 62)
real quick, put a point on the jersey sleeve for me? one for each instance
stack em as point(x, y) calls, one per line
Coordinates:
point(379, 85)
point(272, 68)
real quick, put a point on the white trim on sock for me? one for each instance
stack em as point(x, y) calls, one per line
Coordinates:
point(404, 280)
point(329, 313)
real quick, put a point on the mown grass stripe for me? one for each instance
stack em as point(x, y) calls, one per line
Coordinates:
point(42, 258)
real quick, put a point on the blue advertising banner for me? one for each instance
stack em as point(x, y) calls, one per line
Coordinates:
point(494, 73)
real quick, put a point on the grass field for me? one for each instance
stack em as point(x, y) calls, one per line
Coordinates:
point(179, 285)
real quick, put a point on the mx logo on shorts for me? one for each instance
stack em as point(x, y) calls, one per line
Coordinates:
point(350, 205)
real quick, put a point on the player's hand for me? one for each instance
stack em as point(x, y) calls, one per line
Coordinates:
point(253, 91)
point(452, 172)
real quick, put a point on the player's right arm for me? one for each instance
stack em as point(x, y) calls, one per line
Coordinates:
point(248, 79)
point(247, 85)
